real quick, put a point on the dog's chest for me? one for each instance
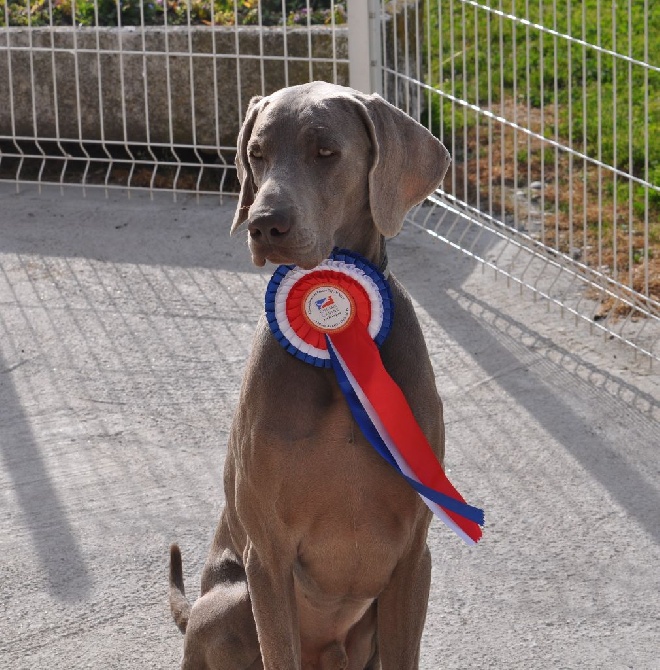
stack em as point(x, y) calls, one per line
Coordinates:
point(302, 451)
point(302, 456)
point(321, 479)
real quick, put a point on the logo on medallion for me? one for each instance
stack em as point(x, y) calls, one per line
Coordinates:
point(328, 308)
point(325, 302)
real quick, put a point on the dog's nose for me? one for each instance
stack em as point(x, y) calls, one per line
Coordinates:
point(270, 226)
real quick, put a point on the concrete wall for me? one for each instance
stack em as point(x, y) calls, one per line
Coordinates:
point(44, 79)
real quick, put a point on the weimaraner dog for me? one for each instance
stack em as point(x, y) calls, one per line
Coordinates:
point(320, 558)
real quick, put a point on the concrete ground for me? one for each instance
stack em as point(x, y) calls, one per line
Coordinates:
point(124, 329)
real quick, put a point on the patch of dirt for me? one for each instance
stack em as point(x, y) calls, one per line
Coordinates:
point(565, 202)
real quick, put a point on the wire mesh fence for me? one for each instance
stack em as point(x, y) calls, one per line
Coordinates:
point(149, 95)
point(549, 110)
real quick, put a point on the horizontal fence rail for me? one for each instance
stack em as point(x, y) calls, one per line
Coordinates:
point(549, 111)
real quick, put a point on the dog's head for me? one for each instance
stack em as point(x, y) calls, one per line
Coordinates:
point(323, 165)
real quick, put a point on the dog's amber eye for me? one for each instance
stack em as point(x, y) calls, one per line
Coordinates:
point(255, 152)
point(324, 153)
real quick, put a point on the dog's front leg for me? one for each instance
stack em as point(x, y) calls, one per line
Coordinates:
point(273, 603)
point(402, 611)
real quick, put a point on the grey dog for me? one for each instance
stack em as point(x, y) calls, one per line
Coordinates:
point(320, 558)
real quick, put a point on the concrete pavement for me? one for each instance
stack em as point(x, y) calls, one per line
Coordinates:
point(124, 329)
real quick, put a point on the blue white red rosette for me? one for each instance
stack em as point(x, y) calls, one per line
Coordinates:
point(343, 273)
point(336, 315)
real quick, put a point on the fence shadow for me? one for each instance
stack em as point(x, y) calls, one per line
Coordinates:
point(561, 381)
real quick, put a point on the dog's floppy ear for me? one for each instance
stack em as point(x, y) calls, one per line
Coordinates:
point(246, 197)
point(409, 163)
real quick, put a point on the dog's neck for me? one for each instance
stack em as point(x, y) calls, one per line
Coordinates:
point(383, 266)
point(378, 256)
point(372, 246)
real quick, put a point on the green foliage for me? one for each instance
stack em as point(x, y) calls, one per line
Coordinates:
point(170, 12)
point(487, 59)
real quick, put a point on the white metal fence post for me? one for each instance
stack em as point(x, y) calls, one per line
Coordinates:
point(364, 45)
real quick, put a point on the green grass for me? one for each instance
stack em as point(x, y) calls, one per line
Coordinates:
point(588, 93)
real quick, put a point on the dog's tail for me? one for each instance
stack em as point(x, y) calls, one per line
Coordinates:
point(179, 604)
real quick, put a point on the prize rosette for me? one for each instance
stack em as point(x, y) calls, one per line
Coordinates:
point(336, 316)
point(303, 306)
